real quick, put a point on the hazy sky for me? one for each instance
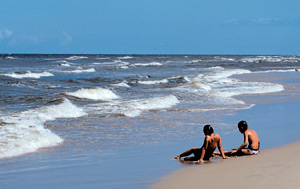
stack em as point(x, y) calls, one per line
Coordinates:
point(150, 26)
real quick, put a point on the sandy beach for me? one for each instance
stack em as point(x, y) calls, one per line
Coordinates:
point(274, 168)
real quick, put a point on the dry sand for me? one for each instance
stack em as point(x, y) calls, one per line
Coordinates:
point(274, 168)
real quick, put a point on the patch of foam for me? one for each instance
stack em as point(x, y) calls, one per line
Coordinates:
point(10, 58)
point(260, 59)
point(126, 57)
point(242, 88)
point(76, 57)
point(28, 74)
point(216, 87)
point(24, 132)
point(196, 61)
point(155, 82)
point(81, 70)
point(121, 84)
point(223, 86)
point(277, 71)
point(133, 108)
point(147, 64)
point(94, 94)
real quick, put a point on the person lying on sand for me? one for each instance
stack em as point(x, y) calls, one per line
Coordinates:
point(210, 143)
point(250, 138)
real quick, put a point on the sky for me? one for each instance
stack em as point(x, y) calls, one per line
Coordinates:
point(256, 27)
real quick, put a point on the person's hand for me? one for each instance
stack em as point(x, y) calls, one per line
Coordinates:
point(226, 157)
point(200, 161)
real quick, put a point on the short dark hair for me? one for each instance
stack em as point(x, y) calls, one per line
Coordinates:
point(207, 129)
point(243, 124)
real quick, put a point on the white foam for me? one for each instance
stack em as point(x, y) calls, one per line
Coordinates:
point(136, 107)
point(65, 64)
point(276, 71)
point(28, 74)
point(124, 67)
point(76, 57)
point(218, 88)
point(10, 58)
point(126, 57)
point(94, 94)
point(242, 88)
point(218, 109)
point(224, 86)
point(147, 64)
point(24, 132)
point(122, 84)
point(155, 82)
point(260, 59)
point(221, 75)
point(81, 71)
point(133, 108)
point(196, 61)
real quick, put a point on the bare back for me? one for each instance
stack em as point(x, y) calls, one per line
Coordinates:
point(253, 140)
point(211, 142)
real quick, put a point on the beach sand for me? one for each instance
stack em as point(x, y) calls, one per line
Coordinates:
point(274, 168)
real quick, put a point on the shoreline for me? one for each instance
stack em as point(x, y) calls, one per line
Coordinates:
point(273, 168)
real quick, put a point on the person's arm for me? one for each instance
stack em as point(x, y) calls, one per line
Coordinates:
point(221, 150)
point(203, 149)
point(244, 144)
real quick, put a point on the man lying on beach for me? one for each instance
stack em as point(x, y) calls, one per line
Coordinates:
point(250, 138)
point(210, 143)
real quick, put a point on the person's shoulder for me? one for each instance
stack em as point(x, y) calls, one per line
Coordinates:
point(252, 131)
point(217, 135)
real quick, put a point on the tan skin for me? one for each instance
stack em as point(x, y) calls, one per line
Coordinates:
point(250, 138)
point(211, 142)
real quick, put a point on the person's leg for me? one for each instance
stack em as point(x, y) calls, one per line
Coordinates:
point(195, 151)
point(246, 152)
point(226, 153)
point(242, 152)
point(250, 151)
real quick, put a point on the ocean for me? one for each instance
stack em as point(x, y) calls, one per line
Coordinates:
point(79, 107)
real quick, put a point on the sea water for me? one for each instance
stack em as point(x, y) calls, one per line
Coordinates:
point(95, 103)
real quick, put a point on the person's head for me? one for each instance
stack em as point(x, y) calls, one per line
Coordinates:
point(208, 130)
point(243, 126)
